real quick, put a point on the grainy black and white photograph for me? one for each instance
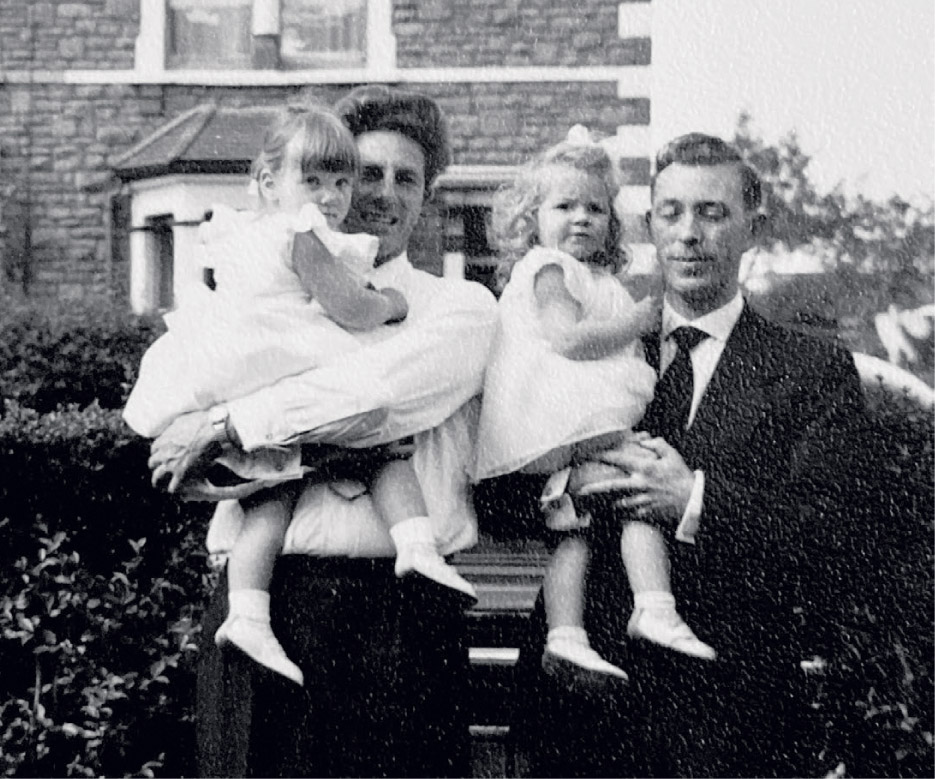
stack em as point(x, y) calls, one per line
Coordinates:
point(467, 388)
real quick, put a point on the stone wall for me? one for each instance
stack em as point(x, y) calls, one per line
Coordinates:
point(470, 33)
point(55, 137)
point(61, 36)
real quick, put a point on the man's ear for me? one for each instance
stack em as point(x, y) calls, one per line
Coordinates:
point(267, 185)
point(648, 219)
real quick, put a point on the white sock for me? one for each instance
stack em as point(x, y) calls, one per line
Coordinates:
point(252, 604)
point(413, 531)
point(654, 600)
point(570, 633)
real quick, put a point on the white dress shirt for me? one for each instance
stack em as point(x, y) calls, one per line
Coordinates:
point(718, 325)
point(432, 367)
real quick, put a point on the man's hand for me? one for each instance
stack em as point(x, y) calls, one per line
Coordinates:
point(184, 450)
point(652, 479)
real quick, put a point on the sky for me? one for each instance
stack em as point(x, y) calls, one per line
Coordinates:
point(855, 80)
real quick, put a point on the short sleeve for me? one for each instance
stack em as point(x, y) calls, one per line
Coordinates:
point(578, 279)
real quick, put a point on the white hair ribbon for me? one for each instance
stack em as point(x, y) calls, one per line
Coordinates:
point(579, 135)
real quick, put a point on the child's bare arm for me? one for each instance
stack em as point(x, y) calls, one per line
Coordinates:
point(577, 337)
point(339, 292)
point(558, 310)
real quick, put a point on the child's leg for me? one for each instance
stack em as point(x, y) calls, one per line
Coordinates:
point(250, 565)
point(655, 618)
point(397, 497)
point(563, 592)
point(249, 571)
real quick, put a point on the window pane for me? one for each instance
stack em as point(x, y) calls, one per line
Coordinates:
point(163, 259)
point(209, 33)
point(323, 33)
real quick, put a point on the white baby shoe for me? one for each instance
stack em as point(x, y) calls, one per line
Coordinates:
point(255, 638)
point(665, 627)
point(558, 652)
point(424, 559)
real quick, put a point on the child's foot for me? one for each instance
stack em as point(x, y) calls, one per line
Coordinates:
point(664, 626)
point(255, 638)
point(562, 653)
point(425, 559)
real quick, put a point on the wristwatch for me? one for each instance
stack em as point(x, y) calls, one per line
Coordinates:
point(220, 416)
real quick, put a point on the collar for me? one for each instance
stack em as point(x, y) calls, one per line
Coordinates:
point(718, 324)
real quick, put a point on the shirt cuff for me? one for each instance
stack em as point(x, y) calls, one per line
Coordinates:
point(247, 415)
point(691, 519)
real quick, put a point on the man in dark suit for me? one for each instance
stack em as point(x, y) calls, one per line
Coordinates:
point(753, 434)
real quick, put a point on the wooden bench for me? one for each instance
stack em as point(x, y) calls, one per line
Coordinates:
point(507, 585)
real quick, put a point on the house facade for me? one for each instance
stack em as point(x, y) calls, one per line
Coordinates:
point(101, 190)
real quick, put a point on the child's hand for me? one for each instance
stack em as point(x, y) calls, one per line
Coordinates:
point(642, 285)
point(398, 304)
point(648, 312)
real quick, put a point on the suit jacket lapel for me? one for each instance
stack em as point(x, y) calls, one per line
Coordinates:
point(729, 408)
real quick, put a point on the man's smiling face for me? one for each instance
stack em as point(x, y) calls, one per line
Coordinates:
point(389, 196)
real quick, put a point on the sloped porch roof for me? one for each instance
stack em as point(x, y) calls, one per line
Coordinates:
point(206, 139)
point(215, 139)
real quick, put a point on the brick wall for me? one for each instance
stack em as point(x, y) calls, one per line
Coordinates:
point(466, 33)
point(63, 35)
point(502, 124)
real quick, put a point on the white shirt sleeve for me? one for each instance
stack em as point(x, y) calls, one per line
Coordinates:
point(419, 375)
point(691, 519)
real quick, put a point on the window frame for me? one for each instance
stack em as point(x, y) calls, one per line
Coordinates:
point(463, 190)
point(152, 55)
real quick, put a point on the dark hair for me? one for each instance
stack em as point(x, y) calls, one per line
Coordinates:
point(701, 149)
point(417, 117)
point(326, 142)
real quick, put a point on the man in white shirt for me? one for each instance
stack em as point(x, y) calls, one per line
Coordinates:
point(753, 427)
point(385, 660)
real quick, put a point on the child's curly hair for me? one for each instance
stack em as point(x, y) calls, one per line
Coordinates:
point(514, 221)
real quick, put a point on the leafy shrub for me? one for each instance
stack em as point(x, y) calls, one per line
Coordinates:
point(102, 578)
point(888, 640)
point(86, 352)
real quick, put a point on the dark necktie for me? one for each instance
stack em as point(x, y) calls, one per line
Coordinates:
point(673, 399)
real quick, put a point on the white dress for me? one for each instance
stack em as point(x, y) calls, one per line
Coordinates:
point(257, 327)
point(535, 400)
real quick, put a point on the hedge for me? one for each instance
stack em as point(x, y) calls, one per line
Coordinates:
point(103, 580)
point(103, 577)
point(52, 355)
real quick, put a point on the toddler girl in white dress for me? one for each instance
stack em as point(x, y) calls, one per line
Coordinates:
point(567, 379)
point(290, 294)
